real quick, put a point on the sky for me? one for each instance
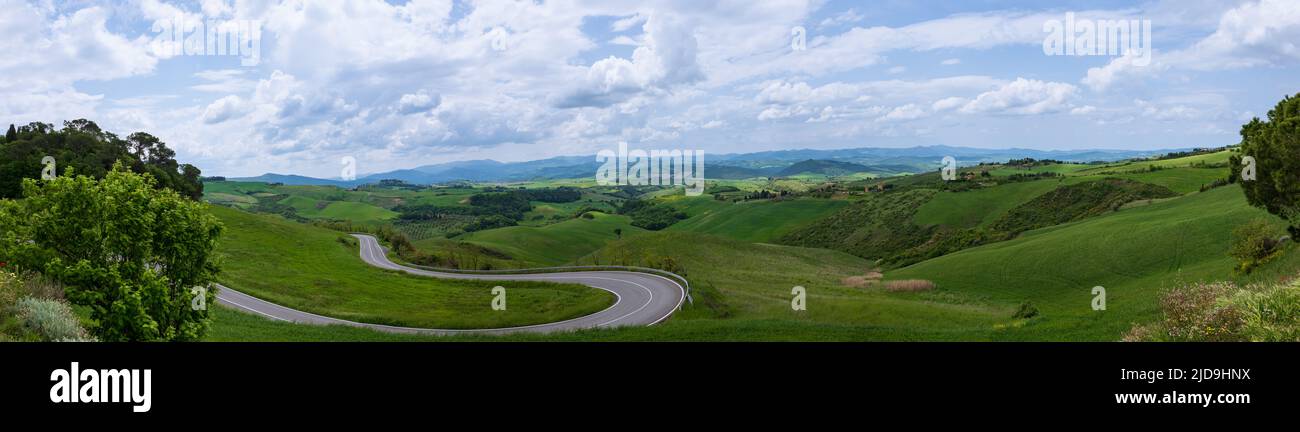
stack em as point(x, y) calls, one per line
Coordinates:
point(399, 84)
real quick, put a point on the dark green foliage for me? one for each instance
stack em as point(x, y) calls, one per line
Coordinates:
point(1253, 244)
point(651, 216)
point(877, 227)
point(132, 253)
point(419, 212)
point(489, 222)
point(1275, 145)
point(81, 147)
point(881, 226)
point(1076, 202)
point(552, 195)
point(508, 204)
point(1025, 311)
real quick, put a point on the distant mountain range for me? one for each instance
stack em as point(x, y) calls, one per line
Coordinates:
point(781, 163)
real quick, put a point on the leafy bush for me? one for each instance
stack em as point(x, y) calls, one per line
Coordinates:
point(1025, 311)
point(1224, 312)
point(136, 268)
point(52, 320)
point(651, 216)
point(1252, 244)
point(1275, 146)
point(1270, 314)
point(10, 289)
point(1194, 312)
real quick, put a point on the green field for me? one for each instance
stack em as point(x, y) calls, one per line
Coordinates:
point(742, 286)
point(979, 207)
point(319, 271)
point(1201, 159)
point(554, 244)
point(1134, 254)
point(757, 221)
point(742, 293)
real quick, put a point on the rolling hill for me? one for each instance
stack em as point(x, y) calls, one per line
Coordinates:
point(317, 270)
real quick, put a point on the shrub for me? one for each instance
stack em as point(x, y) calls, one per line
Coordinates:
point(1252, 244)
point(1026, 310)
point(1194, 312)
point(52, 320)
point(909, 285)
point(39, 286)
point(10, 288)
point(1268, 315)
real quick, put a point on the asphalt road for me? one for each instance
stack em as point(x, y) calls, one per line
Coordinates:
point(642, 299)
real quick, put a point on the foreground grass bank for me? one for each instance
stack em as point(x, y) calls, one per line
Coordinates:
point(319, 271)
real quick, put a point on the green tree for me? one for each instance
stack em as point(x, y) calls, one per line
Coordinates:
point(12, 134)
point(1252, 244)
point(133, 253)
point(1275, 146)
point(92, 151)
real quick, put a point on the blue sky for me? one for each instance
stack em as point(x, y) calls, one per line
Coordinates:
point(399, 84)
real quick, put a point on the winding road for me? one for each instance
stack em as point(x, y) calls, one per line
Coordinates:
point(642, 298)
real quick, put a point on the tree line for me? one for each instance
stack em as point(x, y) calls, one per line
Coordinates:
point(81, 147)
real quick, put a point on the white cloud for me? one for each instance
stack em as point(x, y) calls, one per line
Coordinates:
point(667, 59)
point(224, 81)
point(624, 24)
point(1263, 33)
point(421, 101)
point(949, 103)
point(847, 17)
point(903, 113)
point(951, 62)
point(1083, 110)
point(1024, 97)
point(226, 108)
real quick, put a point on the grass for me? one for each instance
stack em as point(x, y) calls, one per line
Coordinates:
point(742, 293)
point(758, 221)
point(319, 271)
point(1133, 254)
point(742, 289)
point(979, 207)
point(740, 281)
point(1201, 159)
point(355, 211)
point(234, 326)
point(554, 244)
point(1064, 168)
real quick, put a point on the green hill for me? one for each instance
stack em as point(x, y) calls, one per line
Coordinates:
point(823, 167)
point(743, 289)
point(554, 244)
point(758, 221)
point(1134, 254)
point(318, 270)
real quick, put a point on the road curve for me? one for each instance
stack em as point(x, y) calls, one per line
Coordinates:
point(642, 299)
